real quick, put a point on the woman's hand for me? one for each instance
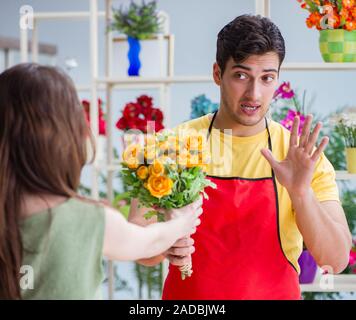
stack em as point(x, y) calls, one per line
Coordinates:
point(189, 215)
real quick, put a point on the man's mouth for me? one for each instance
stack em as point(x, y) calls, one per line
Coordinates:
point(250, 108)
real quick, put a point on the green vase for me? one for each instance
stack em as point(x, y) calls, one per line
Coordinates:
point(338, 45)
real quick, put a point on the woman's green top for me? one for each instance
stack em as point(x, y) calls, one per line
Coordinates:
point(63, 250)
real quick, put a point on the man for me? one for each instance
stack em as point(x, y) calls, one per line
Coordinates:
point(274, 191)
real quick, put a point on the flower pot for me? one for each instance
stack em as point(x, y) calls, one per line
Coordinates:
point(308, 267)
point(351, 160)
point(134, 56)
point(338, 45)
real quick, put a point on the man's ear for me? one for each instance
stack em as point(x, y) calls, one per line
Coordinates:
point(217, 74)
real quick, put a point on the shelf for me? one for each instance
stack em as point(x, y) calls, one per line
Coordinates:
point(340, 283)
point(291, 66)
point(318, 66)
point(344, 175)
point(137, 80)
point(65, 15)
point(130, 86)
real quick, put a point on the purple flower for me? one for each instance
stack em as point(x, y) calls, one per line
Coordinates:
point(287, 122)
point(284, 91)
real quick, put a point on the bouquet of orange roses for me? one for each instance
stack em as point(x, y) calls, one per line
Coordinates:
point(166, 171)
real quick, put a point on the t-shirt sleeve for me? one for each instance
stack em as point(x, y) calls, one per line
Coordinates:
point(324, 184)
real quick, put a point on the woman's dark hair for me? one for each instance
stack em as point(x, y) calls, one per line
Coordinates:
point(248, 35)
point(43, 135)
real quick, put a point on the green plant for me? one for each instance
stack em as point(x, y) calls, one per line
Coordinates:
point(151, 278)
point(348, 200)
point(138, 21)
point(346, 126)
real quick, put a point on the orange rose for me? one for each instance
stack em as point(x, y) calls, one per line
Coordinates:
point(150, 154)
point(159, 186)
point(131, 155)
point(313, 19)
point(350, 25)
point(334, 21)
point(353, 12)
point(173, 143)
point(156, 168)
point(348, 4)
point(344, 14)
point(182, 158)
point(142, 172)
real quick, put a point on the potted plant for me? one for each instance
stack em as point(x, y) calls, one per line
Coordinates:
point(137, 22)
point(308, 267)
point(346, 126)
point(336, 22)
point(286, 105)
point(201, 105)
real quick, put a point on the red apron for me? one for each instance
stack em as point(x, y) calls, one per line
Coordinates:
point(238, 248)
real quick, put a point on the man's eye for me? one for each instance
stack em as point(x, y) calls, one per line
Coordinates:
point(268, 78)
point(240, 76)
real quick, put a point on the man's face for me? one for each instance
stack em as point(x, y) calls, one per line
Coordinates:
point(247, 88)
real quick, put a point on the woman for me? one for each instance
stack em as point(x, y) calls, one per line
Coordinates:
point(44, 223)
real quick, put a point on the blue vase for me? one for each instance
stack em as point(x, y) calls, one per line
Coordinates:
point(134, 56)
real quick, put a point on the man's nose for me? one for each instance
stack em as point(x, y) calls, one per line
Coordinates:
point(253, 92)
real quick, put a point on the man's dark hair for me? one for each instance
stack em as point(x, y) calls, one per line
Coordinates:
point(248, 35)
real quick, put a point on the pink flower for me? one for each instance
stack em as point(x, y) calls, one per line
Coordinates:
point(352, 258)
point(287, 122)
point(102, 126)
point(284, 91)
point(101, 119)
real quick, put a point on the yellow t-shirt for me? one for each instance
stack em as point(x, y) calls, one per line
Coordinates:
point(233, 156)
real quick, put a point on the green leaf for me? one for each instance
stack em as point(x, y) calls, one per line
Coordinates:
point(150, 214)
point(137, 21)
point(313, 7)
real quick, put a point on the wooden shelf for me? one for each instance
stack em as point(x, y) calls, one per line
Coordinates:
point(340, 283)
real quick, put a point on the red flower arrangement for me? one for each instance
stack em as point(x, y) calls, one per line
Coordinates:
point(140, 115)
point(337, 14)
point(102, 122)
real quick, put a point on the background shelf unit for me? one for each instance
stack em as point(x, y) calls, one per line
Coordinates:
point(162, 83)
point(340, 283)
